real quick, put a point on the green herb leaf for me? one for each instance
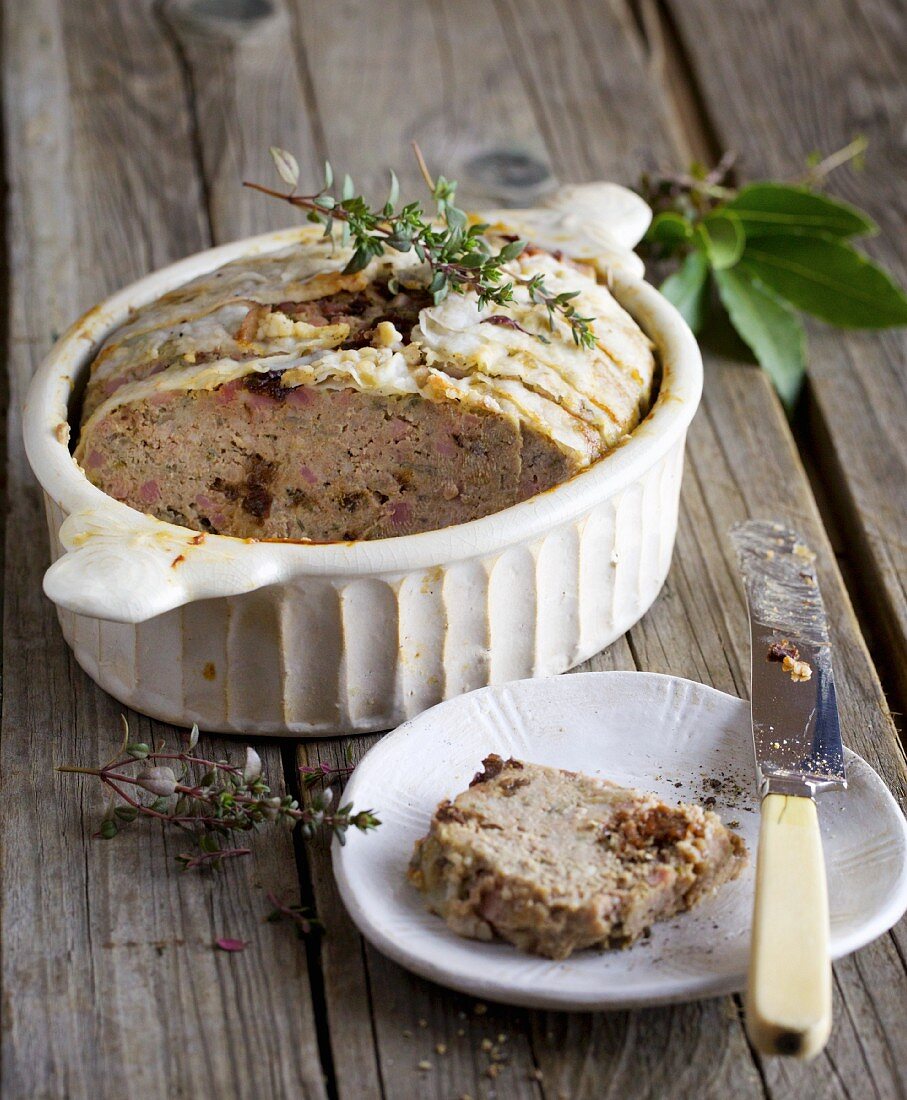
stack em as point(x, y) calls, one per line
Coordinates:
point(669, 229)
point(456, 218)
point(829, 279)
point(394, 193)
point(511, 250)
point(769, 327)
point(722, 237)
point(688, 289)
point(357, 262)
point(766, 209)
point(400, 242)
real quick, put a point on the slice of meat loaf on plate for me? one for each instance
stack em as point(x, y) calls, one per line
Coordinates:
point(554, 861)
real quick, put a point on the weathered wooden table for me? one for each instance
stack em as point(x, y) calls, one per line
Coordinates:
point(129, 125)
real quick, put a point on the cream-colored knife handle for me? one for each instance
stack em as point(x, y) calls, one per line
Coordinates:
point(788, 1002)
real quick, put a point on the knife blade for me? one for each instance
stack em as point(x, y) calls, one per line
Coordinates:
point(796, 733)
point(799, 754)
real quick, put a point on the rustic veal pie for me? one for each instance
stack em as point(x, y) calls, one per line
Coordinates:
point(553, 861)
point(279, 397)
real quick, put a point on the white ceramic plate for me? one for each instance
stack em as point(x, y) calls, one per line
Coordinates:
point(655, 732)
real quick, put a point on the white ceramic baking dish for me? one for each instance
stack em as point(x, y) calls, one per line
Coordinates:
point(287, 638)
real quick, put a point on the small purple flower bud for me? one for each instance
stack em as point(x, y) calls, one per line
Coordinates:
point(159, 781)
point(228, 943)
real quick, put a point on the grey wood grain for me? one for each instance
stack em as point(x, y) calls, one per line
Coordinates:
point(246, 95)
point(601, 117)
point(109, 965)
point(738, 439)
point(779, 85)
point(98, 957)
point(502, 44)
point(776, 91)
point(468, 112)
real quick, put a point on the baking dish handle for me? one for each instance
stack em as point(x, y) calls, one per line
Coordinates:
point(131, 568)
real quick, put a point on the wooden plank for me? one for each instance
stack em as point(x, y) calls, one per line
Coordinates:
point(109, 968)
point(779, 86)
point(239, 67)
point(410, 1017)
point(467, 112)
point(856, 401)
point(586, 1055)
point(491, 56)
point(599, 117)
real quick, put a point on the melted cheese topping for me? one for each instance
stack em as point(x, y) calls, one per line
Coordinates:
point(512, 360)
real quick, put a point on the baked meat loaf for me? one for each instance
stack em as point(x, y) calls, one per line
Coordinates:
point(553, 861)
point(281, 397)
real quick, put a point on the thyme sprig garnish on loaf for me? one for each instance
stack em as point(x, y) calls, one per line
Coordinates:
point(764, 252)
point(213, 800)
point(457, 253)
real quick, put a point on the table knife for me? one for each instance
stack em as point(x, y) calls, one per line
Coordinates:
point(799, 754)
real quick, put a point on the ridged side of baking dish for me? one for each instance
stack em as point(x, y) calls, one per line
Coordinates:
point(323, 655)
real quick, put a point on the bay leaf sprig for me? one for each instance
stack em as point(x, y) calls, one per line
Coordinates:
point(766, 252)
point(211, 800)
point(456, 252)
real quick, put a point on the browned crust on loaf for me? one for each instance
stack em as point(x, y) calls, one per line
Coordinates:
point(492, 766)
point(255, 458)
point(324, 300)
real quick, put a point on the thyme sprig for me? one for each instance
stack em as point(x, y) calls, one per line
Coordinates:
point(457, 253)
point(321, 772)
point(210, 800)
point(302, 918)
